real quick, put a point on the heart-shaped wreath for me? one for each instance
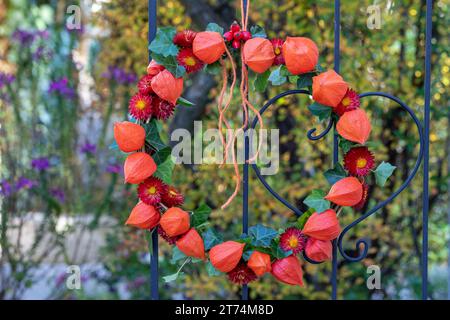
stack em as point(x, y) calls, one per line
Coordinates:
point(149, 164)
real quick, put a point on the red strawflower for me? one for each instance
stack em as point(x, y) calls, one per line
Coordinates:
point(241, 274)
point(144, 85)
point(172, 198)
point(151, 190)
point(359, 161)
point(184, 38)
point(140, 106)
point(189, 61)
point(348, 103)
point(162, 109)
point(292, 239)
point(278, 50)
point(170, 240)
point(363, 201)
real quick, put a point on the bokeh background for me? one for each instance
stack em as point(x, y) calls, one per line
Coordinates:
point(62, 197)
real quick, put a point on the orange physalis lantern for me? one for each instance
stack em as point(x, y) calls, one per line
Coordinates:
point(226, 256)
point(154, 68)
point(175, 221)
point(300, 54)
point(191, 244)
point(258, 54)
point(208, 46)
point(167, 87)
point(329, 88)
point(138, 167)
point(129, 136)
point(288, 270)
point(143, 216)
point(346, 192)
point(259, 262)
point(322, 226)
point(318, 250)
point(354, 126)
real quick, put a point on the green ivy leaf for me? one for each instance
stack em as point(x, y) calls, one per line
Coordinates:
point(304, 217)
point(335, 174)
point(153, 138)
point(161, 155)
point(305, 80)
point(320, 111)
point(316, 200)
point(163, 44)
point(212, 272)
point(164, 170)
point(261, 80)
point(172, 277)
point(200, 215)
point(214, 27)
point(279, 253)
point(184, 102)
point(261, 235)
point(383, 172)
point(211, 238)
point(345, 145)
point(258, 32)
point(177, 255)
point(246, 255)
point(171, 64)
point(277, 77)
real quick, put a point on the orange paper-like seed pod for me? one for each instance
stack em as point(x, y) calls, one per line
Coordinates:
point(167, 87)
point(288, 270)
point(208, 46)
point(346, 192)
point(138, 167)
point(143, 216)
point(154, 68)
point(258, 54)
point(322, 226)
point(226, 256)
point(329, 88)
point(318, 250)
point(354, 126)
point(129, 136)
point(191, 244)
point(175, 221)
point(301, 54)
point(259, 262)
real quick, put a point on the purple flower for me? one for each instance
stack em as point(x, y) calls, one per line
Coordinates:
point(25, 183)
point(5, 188)
point(27, 37)
point(88, 148)
point(41, 53)
point(58, 194)
point(40, 164)
point(61, 86)
point(120, 76)
point(6, 79)
point(114, 168)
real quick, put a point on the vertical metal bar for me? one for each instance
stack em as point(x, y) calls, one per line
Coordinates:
point(426, 153)
point(245, 185)
point(152, 7)
point(337, 62)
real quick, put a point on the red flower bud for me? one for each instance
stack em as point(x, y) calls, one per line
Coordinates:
point(191, 244)
point(138, 167)
point(175, 221)
point(322, 226)
point(226, 256)
point(235, 27)
point(259, 262)
point(288, 270)
point(143, 216)
point(228, 36)
point(318, 250)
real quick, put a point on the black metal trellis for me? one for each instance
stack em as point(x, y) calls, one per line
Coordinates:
point(424, 131)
